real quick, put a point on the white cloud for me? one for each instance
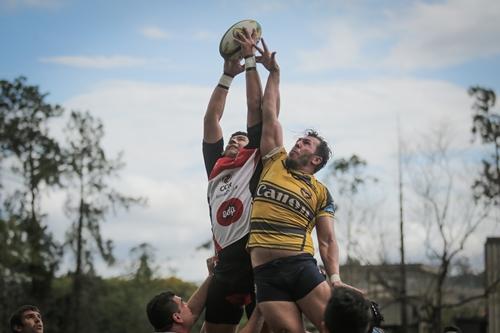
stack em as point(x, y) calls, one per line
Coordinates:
point(155, 33)
point(342, 48)
point(272, 6)
point(446, 34)
point(107, 62)
point(205, 35)
point(425, 35)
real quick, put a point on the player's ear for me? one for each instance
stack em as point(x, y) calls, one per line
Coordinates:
point(316, 160)
point(177, 317)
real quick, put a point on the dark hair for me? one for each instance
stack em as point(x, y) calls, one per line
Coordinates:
point(347, 311)
point(239, 133)
point(452, 329)
point(160, 310)
point(322, 150)
point(16, 319)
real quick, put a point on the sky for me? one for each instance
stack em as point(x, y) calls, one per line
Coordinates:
point(349, 69)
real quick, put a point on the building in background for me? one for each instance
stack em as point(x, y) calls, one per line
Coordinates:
point(492, 270)
point(381, 282)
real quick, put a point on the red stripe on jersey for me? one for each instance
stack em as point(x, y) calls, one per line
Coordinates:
point(216, 245)
point(225, 163)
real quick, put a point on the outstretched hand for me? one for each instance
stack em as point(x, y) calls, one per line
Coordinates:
point(211, 263)
point(267, 58)
point(247, 41)
point(233, 67)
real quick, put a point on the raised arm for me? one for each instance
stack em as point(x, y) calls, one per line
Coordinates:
point(247, 41)
point(272, 135)
point(212, 131)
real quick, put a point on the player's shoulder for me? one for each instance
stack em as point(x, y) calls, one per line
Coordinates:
point(275, 154)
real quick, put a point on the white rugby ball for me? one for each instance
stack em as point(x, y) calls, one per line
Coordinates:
point(228, 47)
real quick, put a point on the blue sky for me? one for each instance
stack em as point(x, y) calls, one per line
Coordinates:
point(147, 68)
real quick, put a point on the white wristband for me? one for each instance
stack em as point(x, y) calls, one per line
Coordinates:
point(250, 63)
point(335, 278)
point(225, 81)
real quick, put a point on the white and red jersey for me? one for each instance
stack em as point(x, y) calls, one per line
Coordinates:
point(230, 197)
point(231, 185)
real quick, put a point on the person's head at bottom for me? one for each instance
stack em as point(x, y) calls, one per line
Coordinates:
point(347, 311)
point(168, 312)
point(26, 319)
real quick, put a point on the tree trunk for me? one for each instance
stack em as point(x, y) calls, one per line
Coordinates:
point(77, 282)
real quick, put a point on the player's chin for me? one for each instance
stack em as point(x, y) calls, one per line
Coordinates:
point(231, 152)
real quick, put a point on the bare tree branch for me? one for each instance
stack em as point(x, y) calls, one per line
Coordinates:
point(487, 291)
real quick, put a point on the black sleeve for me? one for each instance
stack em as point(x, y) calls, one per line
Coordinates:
point(254, 134)
point(211, 153)
point(329, 206)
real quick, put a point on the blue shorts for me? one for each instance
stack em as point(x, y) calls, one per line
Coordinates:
point(287, 279)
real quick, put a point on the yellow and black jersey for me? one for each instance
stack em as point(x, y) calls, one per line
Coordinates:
point(286, 206)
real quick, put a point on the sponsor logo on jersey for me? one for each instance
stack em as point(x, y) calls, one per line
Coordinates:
point(293, 202)
point(226, 184)
point(305, 193)
point(229, 211)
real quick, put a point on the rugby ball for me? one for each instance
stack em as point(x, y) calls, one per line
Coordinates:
point(228, 47)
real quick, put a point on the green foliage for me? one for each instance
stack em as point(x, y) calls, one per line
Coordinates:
point(144, 258)
point(349, 174)
point(24, 118)
point(29, 256)
point(13, 259)
point(88, 170)
point(349, 177)
point(35, 157)
point(486, 125)
point(115, 305)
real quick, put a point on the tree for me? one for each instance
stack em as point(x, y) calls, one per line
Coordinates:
point(13, 258)
point(444, 206)
point(349, 179)
point(34, 156)
point(486, 125)
point(89, 170)
point(144, 262)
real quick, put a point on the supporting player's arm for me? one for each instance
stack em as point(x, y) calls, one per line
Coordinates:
point(198, 299)
point(329, 251)
point(255, 323)
point(328, 246)
point(272, 134)
point(212, 131)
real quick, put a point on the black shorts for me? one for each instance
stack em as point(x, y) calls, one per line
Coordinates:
point(287, 279)
point(232, 288)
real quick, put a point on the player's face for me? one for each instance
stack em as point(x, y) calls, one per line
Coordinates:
point(234, 145)
point(302, 152)
point(32, 322)
point(184, 310)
